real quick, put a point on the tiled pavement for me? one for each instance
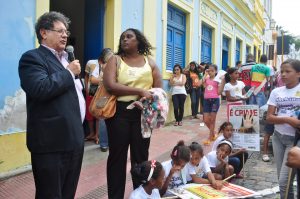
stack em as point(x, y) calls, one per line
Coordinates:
point(92, 182)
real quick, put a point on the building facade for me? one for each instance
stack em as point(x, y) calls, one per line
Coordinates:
point(215, 31)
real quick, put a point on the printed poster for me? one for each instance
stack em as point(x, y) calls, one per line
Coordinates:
point(245, 121)
point(229, 191)
point(206, 191)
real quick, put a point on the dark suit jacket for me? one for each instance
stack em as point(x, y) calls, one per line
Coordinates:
point(53, 114)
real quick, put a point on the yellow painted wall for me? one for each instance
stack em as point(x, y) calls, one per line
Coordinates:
point(13, 151)
point(150, 23)
point(42, 6)
point(113, 20)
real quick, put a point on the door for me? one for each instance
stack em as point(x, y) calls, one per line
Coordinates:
point(86, 26)
point(237, 50)
point(206, 44)
point(93, 29)
point(175, 38)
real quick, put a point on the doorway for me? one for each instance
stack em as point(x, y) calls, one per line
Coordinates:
point(87, 25)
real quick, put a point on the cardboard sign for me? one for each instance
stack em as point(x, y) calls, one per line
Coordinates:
point(245, 121)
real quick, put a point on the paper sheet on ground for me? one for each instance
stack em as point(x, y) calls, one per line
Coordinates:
point(198, 191)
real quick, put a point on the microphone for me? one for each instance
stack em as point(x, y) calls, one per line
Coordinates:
point(70, 51)
point(71, 56)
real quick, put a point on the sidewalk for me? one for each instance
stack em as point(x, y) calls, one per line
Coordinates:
point(92, 182)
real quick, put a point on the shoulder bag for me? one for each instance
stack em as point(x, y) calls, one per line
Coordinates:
point(103, 104)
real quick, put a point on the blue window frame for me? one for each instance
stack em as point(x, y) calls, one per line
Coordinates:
point(225, 49)
point(206, 44)
point(237, 50)
point(175, 38)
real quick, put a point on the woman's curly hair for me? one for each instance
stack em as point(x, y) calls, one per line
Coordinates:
point(144, 47)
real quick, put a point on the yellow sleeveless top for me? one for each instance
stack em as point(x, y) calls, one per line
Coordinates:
point(137, 77)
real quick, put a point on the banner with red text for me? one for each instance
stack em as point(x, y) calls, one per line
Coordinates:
point(245, 121)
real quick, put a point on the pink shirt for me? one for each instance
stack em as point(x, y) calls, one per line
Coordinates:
point(211, 89)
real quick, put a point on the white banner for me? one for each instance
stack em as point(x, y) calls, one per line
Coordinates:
point(245, 121)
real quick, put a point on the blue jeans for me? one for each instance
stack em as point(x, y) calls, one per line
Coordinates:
point(281, 146)
point(103, 140)
point(259, 99)
point(195, 97)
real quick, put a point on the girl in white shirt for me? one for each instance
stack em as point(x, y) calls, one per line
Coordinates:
point(175, 169)
point(283, 111)
point(198, 170)
point(234, 89)
point(218, 160)
point(236, 158)
point(151, 175)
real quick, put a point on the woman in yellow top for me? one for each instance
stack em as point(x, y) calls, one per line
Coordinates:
point(136, 74)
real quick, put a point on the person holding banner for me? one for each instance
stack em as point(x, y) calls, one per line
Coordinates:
point(234, 89)
point(283, 111)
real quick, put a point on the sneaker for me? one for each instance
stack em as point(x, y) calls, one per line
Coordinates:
point(265, 158)
point(103, 148)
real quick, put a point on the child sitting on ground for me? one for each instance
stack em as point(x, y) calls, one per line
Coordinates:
point(175, 170)
point(218, 160)
point(236, 158)
point(151, 175)
point(198, 168)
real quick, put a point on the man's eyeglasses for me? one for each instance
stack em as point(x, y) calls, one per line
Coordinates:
point(62, 31)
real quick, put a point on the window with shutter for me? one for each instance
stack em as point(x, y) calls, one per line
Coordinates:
point(206, 44)
point(175, 38)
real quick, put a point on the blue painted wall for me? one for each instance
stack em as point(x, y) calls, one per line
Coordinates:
point(16, 36)
point(132, 14)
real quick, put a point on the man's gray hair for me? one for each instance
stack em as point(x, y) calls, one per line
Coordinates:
point(46, 22)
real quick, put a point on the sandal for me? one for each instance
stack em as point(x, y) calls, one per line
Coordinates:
point(175, 123)
point(265, 158)
point(215, 137)
point(206, 142)
point(179, 123)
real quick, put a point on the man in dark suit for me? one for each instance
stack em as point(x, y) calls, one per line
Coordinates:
point(55, 110)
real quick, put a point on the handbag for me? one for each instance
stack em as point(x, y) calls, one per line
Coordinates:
point(103, 104)
point(93, 89)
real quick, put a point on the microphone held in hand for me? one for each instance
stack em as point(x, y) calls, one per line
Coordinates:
point(71, 56)
point(70, 51)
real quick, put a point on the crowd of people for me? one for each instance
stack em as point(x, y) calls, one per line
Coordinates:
point(56, 109)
